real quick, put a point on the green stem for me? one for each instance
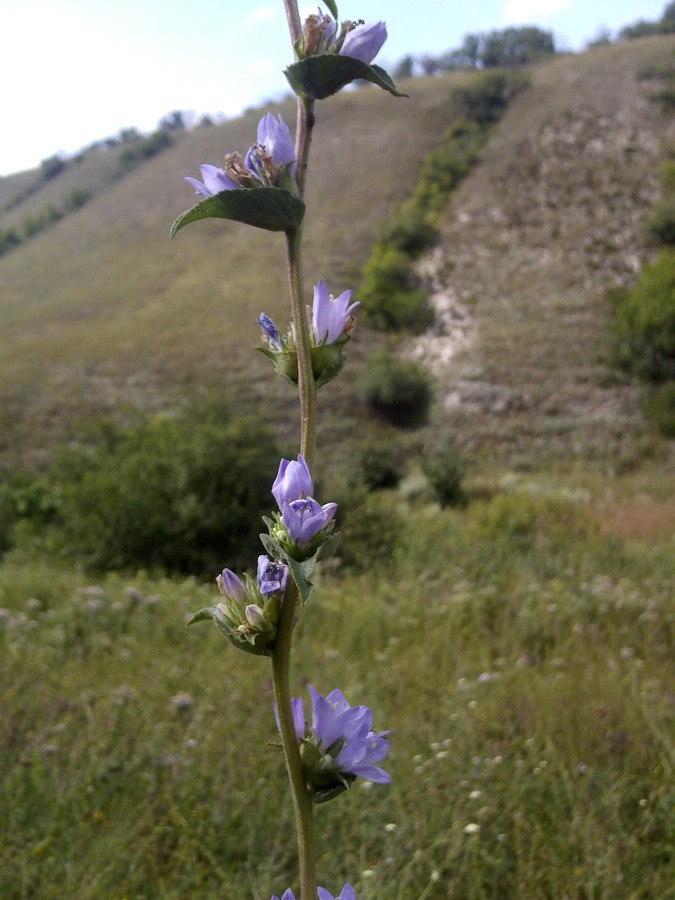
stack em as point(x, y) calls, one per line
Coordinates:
point(302, 803)
point(306, 383)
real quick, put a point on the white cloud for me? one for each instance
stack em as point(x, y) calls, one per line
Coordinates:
point(520, 11)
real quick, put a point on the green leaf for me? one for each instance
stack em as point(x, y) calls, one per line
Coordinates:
point(332, 8)
point(267, 207)
point(319, 77)
point(201, 616)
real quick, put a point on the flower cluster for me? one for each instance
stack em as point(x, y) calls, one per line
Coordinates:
point(250, 611)
point(338, 744)
point(347, 893)
point(332, 320)
point(332, 323)
point(302, 523)
point(360, 40)
point(269, 162)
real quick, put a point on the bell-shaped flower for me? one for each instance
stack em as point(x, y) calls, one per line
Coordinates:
point(303, 519)
point(293, 481)
point(266, 160)
point(347, 893)
point(332, 317)
point(364, 41)
point(337, 744)
point(272, 576)
point(215, 181)
point(230, 585)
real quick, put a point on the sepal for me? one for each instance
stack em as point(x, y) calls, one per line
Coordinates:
point(271, 208)
point(318, 77)
point(327, 361)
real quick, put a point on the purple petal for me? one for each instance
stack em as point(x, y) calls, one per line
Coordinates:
point(293, 481)
point(275, 137)
point(364, 41)
point(305, 518)
point(269, 330)
point(230, 585)
point(371, 773)
point(347, 893)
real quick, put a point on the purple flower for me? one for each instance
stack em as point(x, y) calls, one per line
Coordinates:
point(230, 585)
point(215, 181)
point(272, 149)
point(269, 330)
point(331, 316)
point(347, 893)
point(274, 137)
point(305, 518)
point(272, 576)
point(364, 41)
point(339, 739)
point(293, 481)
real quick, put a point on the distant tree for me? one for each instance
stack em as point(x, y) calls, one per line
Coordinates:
point(404, 68)
point(52, 166)
point(642, 28)
point(513, 47)
point(173, 121)
point(603, 38)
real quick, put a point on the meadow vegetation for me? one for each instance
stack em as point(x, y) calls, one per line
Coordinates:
point(503, 589)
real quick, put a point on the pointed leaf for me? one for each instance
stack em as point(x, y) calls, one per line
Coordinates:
point(267, 207)
point(332, 8)
point(319, 77)
point(201, 616)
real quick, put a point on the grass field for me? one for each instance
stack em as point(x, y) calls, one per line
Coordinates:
point(519, 652)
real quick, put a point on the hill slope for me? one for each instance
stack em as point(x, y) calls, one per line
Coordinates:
point(103, 313)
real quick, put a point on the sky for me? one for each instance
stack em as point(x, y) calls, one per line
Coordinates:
point(76, 71)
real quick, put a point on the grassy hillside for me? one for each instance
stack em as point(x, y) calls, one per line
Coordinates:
point(104, 314)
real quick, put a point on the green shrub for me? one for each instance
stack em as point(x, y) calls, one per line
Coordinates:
point(378, 464)
point(9, 238)
point(660, 224)
point(408, 230)
point(659, 407)
point(371, 531)
point(444, 168)
point(485, 99)
point(400, 392)
point(180, 495)
point(444, 467)
point(391, 293)
point(644, 322)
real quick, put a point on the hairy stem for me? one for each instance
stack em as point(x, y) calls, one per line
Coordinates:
point(302, 803)
point(306, 383)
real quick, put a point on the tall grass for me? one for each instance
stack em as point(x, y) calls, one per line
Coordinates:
point(520, 659)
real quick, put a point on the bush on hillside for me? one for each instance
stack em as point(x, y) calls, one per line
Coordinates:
point(399, 392)
point(391, 293)
point(484, 100)
point(444, 467)
point(644, 322)
point(378, 464)
point(660, 223)
point(408, 230)
point(175, 494)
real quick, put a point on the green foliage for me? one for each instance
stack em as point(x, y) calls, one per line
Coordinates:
point(444, 168)
point(372, 528)
point(38, 222)
point(175, 494)
point(141, 148)
point(660, 224)
point(644, 322)
point(76, 199)
point(485, 99)
point(400, 392)
point(532, 699)
point(409, 230)
point(391, 293)
point(659, 407)
point(445, 467)
point(52, 166)
point(378, 463)
point(9, 238)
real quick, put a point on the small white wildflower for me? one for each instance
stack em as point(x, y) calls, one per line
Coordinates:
point(472, 828)
point(442, 754)
point(474, 795)
point(435, 876)
point(367, 873)
point(390, 826)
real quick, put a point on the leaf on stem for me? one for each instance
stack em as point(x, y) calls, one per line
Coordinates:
point(270, 208)
point(319, 77)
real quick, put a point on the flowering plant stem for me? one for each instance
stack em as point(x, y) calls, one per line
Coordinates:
point(302, 803)
point(281, 655)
